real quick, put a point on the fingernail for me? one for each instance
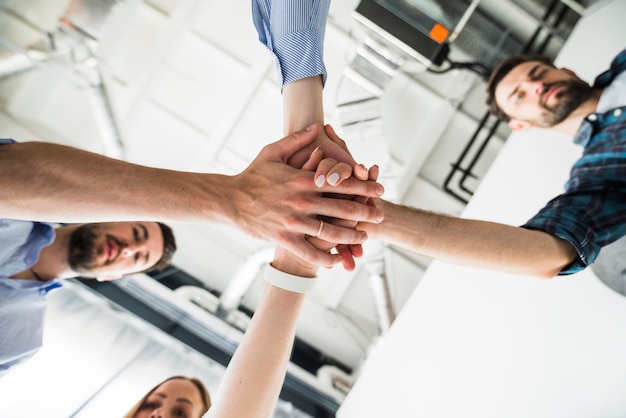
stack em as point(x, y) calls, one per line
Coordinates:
point(380, 190)
point(314, 151)
point(333, 179)
point(308, 128)
point(364, 238)
point(380, 216)
point(319, 181)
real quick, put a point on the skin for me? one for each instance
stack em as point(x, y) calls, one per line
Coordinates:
point(482, 244)
point(44, 177)
point(489, 245)
point(176, 398)
point(121, 248)
point(522, 94)
point(256, 372)
point(303, 105)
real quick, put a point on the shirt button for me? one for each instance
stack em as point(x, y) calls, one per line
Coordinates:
point(617, 112)
point(592, 118)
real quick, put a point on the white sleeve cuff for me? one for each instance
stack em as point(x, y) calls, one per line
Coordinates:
point(288, 281)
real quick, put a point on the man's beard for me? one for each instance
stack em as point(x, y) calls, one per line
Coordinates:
point(572, 94)
point(82, 251)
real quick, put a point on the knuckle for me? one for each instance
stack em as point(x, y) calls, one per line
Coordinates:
point(333, 235)
point(349, 209)
point(300, 204)
point(291, 222)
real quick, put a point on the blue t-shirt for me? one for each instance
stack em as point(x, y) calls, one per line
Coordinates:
point(591, 213)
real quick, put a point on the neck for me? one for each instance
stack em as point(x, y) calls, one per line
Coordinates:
point(571, 125)
point(52, 262)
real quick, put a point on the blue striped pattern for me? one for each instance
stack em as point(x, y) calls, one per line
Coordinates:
point(293, 30)
point(22, 302)
point(591, 213)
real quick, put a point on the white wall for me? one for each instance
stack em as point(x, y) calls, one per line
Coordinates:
point(471, 343)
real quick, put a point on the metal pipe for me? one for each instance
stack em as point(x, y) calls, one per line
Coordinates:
point(382, 295)
point(464, 19)
point(242, 280)
point(457, 165)
point(102, 110)
point(15, 64)
point(479, 152)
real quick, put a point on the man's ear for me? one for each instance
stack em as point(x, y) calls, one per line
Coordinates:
point(519, 125)
point(108, 277)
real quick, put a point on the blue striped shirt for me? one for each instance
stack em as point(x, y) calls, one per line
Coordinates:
point(293, 30)
point(591, 213)
point(22, 302)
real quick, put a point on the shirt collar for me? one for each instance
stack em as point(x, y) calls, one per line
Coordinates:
point(24, 284)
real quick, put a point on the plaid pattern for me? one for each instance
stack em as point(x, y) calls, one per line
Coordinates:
point(293, 30)
point(591, 213)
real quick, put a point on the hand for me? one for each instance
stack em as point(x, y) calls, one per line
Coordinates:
point(341, 172)
point(350, 252)
point(331, 145)
point(334, 173)
point(276, 202)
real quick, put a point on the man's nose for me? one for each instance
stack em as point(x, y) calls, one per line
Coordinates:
point(535, 87)
point(130, 249)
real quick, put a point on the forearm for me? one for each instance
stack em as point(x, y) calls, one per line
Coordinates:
point(474, 243)
point(302, 104)
point(51, 182)
point(254, 377)
point(255, 374)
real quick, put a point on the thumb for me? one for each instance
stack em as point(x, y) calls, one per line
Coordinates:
point(294, 142)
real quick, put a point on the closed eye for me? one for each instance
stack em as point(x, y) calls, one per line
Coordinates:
point(537, 72)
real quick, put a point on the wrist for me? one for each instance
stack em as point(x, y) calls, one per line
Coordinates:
point(288, 263)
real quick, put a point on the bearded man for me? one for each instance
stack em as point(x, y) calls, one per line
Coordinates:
point(567, 234)
point(35, 258)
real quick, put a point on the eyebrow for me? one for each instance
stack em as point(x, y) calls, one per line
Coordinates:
point(145, 231)
point(531, 74)
point(183, 400)
point(145, 238)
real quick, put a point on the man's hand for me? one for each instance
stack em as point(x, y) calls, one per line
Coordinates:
point(337, 173)
point(331, 145)
point(274, 201)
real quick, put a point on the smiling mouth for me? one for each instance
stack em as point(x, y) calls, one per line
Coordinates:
point(112, 249)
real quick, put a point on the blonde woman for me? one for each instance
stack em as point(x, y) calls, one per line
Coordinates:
point(176, 396)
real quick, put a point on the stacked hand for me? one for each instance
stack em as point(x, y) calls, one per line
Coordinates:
point(329, 170)
point(274, 201)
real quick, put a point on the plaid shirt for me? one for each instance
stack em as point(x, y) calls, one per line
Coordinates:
point(591, 213)
point(293, 30)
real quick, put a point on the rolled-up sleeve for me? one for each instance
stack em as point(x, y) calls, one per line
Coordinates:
point(293, 31)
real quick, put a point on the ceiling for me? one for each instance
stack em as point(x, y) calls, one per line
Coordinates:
point(185, 85)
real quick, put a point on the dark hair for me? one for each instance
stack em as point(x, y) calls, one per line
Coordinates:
point(169, 248)
point(500, 72)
